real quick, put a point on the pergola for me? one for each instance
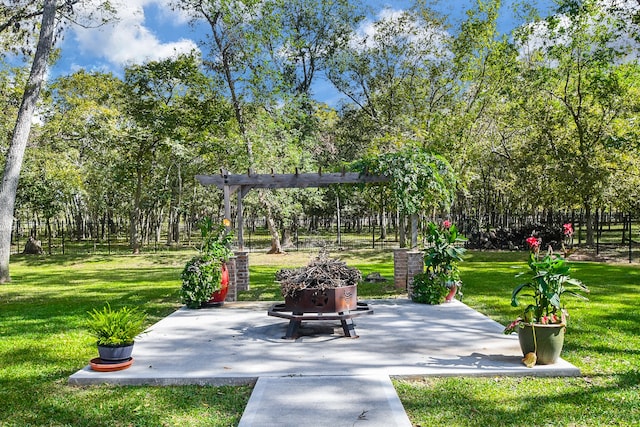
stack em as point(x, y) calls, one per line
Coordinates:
point(243, 183)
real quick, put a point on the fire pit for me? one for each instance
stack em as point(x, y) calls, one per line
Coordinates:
point(326, 289)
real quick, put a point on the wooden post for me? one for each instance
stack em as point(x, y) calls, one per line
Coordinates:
point(244, 189)
point(414, 231)
point(240, 217)
point(338, 219)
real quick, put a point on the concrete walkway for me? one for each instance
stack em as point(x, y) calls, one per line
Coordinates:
point(239, 343)
point(335, 401)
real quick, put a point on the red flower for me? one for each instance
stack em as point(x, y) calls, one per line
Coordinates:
point(568, 229)
point(534, 243)
point(446, 224)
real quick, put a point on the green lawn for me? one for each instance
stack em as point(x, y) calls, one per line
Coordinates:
point(43, 341)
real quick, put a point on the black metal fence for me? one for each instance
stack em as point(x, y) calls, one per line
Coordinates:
point(617, 234)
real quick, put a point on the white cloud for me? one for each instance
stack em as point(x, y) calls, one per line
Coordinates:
point(129, 39)
point(623, 38)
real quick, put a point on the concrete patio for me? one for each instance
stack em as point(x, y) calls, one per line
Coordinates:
point(239, 343)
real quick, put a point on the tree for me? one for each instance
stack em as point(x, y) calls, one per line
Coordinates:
point(576, 90)
point(170, 103)
point(15, 31)
point(85, 123)
point(21, 132)
point(394, 73)
point(268, 54)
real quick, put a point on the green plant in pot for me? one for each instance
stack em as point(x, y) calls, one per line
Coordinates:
point(115, 331)
point(205, 277)
point(542, 324)
point(427, 289)
point(441, 280)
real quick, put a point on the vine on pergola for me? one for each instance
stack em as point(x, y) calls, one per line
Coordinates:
point(420, 179)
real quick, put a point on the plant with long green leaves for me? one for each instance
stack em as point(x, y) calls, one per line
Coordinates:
point(549, 281)
point(444, 254)
point(116, 327)
point(441, 260)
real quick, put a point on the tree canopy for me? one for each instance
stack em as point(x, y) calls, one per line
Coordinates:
point(460, 115)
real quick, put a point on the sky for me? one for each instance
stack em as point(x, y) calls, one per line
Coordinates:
point(150, 30)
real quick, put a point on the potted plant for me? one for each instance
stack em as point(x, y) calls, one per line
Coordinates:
point(205, 277)
point(542, 324)
point(426, 289)
point(441, 265)
point(115, 331)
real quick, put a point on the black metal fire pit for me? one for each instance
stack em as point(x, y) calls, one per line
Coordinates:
point(321, 304)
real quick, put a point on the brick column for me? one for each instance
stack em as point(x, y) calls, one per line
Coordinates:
point(242, 270)
point(232, 294)
point(415, 265)
point(400, 268)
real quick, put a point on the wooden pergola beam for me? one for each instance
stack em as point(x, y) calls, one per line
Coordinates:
point(295, 180)
point(230, 183)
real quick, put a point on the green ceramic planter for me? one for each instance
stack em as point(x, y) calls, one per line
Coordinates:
point(549, 338)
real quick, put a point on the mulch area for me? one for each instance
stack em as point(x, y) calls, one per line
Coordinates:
point(607, 255)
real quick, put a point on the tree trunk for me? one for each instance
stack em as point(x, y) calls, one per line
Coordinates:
point(276, 248)
point(383, 218)
point(49, 236)
point(20, 136)
point(175, 226)
point(402, 227)
point(589, 223)
point(134, 235)
point(414, 231)
point(339, 222)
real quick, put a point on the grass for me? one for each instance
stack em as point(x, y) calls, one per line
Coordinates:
point(602, 339)
point(43, 340)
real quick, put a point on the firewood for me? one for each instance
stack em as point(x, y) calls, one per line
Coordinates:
point(321, 273)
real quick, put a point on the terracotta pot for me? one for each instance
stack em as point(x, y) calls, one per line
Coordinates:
point(549, 340)
point(220, 295)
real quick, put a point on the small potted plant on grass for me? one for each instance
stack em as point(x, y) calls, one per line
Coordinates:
point(205, 277)
point(115, 331)
point(542, 324)
point(441, 279)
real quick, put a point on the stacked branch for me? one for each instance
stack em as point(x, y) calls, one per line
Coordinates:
point(321, 273)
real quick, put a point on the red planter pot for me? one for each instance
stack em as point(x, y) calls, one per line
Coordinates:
point(452, 293)
point(220, 295)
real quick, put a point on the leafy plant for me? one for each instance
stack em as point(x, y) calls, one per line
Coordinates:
point(549, 280)
point(441, 261)
point(428, 289)
point(200, 278)
point(201, 275)
point(420, 179)
point(442, 257)
point(116, 327)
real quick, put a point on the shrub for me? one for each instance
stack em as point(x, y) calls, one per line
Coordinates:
point(428, 289)
point(200, 278)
